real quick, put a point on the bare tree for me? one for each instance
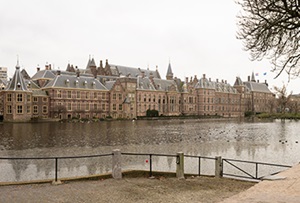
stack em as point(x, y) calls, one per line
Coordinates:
point(270, 28)
point(283, 98)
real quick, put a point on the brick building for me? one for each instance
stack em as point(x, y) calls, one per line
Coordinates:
point(122, 92)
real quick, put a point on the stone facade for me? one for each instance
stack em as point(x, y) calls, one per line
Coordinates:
point(121, 92)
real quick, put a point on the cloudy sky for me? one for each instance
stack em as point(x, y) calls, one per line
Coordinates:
point(197, 37)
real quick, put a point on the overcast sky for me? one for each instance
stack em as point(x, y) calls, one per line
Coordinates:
point(198, 37)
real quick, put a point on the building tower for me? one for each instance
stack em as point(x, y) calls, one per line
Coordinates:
point(169, 75)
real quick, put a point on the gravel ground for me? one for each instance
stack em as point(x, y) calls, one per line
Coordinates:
point(160, 189)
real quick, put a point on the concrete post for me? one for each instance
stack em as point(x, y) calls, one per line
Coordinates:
point(180, 165)
point(218, 167)
point(116, 164)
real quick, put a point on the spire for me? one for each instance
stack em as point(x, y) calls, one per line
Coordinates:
point(252, 77)
point(169, 75)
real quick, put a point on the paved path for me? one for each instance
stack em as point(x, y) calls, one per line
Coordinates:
point(285, 187)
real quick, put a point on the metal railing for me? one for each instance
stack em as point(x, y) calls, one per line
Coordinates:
point(248, 175)
point(199, 161)
point(55, 160)
point(224, 161)
point(150, 158)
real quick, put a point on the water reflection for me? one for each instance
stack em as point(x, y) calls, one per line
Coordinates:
point(274, 142)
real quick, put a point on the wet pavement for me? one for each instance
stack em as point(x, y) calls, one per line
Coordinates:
point(283, 187)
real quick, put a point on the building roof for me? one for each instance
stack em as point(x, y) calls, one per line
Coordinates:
point(44, 74)
point(82, 82)
point(118, 70)
point(257, 87)
point(164, 85)
point(17, 82)
point(144, 84)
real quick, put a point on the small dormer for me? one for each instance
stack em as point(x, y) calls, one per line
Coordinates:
point(67, 82)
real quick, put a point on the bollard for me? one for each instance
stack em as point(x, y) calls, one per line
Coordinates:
point(116, 164)
point(180, 165)
point(218, 167)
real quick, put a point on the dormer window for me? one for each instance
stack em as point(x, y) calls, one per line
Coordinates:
point(85, 83)
point(29, 84)
point(76, 82)
point(18, 85)
point(67, 81)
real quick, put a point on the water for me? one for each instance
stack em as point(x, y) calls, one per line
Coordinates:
point(269, 141)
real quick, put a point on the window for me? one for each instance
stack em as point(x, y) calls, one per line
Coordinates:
point(19, 109)
point(120, 96)
point(35, 99)
point(19, 97)
point(120, 107)
point(78, 106)
point(95, 95)
point(114, 107)
point(59, 93)
point(8, 111)
point(78, 95)
point(69, 108)
point(114, 96)
point(69, 94)
point(87, 95)
point(95, 106)
point(45, 99)
point(45, 109)
point(103, 107)
point(28, 109)
point(8, 97)
point(28, 98)
point(103, 96)
point(87, 106)
point(35, 109)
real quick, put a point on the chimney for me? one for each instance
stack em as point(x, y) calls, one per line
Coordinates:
point(248, 78)
point(257, 81)
point(204, 76)
point(222, 81)
point(58, 72)
point(209, 79)
point(217, 80)
point(38, 69)
point(106, 63)
point(46, 67)
point(101, 66)
point(225, 81)
point(143, 74)
point(49, 66)
point(77, 73)
point(266, 83)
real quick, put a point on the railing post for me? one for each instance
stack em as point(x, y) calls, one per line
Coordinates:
point(150, 162)
point(199, 166)
point(180, 165)
point(116, 164)
point(218, 167)
point(56, 181)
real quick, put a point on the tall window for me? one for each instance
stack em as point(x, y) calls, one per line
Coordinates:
point(35, 109)
point(87, 95)
point(19, 109)
point(19, 97)
point(120, 107)
point(28, 109)
point(114, 96)
point(103, 107)
point(35, 99)
point(87, 106)
point(59, 93)
point(114, 107)
point(8, 111)
point(78, 94)
point(8, 98)
point(69, 107)
point(45, 109)
point(95, 106)
point(69, 94)
point(120, 96)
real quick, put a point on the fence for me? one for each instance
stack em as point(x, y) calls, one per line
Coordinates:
point(221, 168)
